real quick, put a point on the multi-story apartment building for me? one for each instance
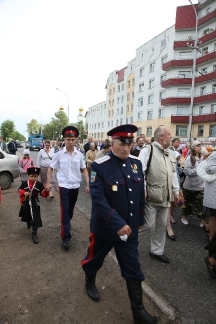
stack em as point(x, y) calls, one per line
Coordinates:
point(155, 88)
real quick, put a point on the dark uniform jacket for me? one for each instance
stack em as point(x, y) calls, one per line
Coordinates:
point(117, 192)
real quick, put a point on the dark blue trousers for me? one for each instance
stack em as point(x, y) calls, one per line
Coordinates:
point(68, 198)
point(126, 252)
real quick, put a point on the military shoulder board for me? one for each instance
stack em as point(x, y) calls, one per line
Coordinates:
point(103, 159)
point(134, 157)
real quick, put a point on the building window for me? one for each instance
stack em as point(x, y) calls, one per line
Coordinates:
point(183, 92)
point(113, 102)
point(127, 120)
point(102, 135)
point(116, 122)
point(98, 125)
point(121, 110)
point(131, 108)
point(163, 60)
point(118, 88)
point(181, 130)
point(111, 123)
point(212, 130)
point(139, 116)
point(162, 95)
point(109, 113)
point(213, 108)
point(98, 135)
point(203, 91)
point(118, 100)
point(184, 74)
point(140, 102)
point(108, 124)
point(214, 88)
point(113, 90)
point(205, 50)
point(161, 112)
point(214, 66)
point(162, 78)
point(152, 67)
point(117, 111)
point(128, 96)
point(201, 110)
point(133, 94)
point(95, 126)
point(127, 108)
point(128, 84)
point(102, 125)
point(182, 111)
point(133, 82)
point(131, 119)
point(149, 114)
point(149, 131)
point(142, 71)
point(151, 83)
point(187, 55)
point(163, 42)
point(151, 99)
point(204, 70)
point(122, 99)
point(200, 130)
point(112, 112)
point(122, 86)
point(141, 87)
point(121, 121)
point(139, 131)
point(110, 102)
point(208, 10)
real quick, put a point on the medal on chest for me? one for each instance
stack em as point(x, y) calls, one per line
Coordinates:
point(134, 168)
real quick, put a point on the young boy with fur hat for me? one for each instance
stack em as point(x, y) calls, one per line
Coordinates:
point(30, 204)
point(25, 162)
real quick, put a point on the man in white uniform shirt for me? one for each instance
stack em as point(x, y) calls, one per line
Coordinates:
point(68, 161)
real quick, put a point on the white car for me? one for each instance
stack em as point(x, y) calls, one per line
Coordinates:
point(8, 169)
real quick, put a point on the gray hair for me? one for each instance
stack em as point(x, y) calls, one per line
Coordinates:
point(158, 131)
point(92, 143)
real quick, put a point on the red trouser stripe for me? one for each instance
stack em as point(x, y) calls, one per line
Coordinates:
point(61, 215)
point(90, 249)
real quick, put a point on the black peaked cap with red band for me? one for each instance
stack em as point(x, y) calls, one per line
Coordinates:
point(70, 131)
point(125, 133)
point(33, 170)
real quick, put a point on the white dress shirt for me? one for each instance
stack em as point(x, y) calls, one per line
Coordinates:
point(68, 166)
point(43, 158)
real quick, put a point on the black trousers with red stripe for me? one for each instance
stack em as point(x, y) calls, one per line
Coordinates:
point(68, 198)
point(126, 253)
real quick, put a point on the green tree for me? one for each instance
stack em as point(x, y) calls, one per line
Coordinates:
point(53, 129)
point(7, 129)
point(33, 126)
point(81, 128)
point(19, 136)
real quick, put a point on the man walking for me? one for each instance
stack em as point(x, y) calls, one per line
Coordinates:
point(87, 145)
point(12, 147)
point(2, 144)
point(68, 161)
point(117, 192)
point(159, 163)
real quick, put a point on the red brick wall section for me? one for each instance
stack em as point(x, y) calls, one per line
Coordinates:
point(185, 17)
point(121, 74)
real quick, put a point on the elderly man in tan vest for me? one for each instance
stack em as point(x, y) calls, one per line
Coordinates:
point(91, 156)
point(162, 187)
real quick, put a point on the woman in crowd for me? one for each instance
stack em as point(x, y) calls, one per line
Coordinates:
point(91, 156)
point(43, 161)
point(193, 186)
point(25, 163)
point(209, 201)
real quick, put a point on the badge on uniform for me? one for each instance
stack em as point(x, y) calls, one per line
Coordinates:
point(114, 188)
point(93, 176)
point(134, 168)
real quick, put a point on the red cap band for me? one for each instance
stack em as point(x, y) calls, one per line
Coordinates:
point(122, 134)
point(70, 132)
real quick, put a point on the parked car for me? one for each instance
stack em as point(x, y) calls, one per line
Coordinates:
point(8, 169)
point(19, 144)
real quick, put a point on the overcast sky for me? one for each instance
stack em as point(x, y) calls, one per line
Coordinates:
point(71, 45)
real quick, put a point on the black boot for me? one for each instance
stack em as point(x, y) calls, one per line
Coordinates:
point(140, 315)
point(34, 235)
point(91, 288)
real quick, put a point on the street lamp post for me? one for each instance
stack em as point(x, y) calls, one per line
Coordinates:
point(194, 47)
point(68, 101)
point(41, 121)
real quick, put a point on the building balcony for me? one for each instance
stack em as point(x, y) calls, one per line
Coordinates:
point(205, 77)
point(175, 101)
point(207, 57)
point(177, 63)
point(175, 81)
point(210, 17)
point(195, 119)
point(205, 39)
point(205, 98)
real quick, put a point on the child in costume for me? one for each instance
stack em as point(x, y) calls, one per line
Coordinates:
point(30, 204)
point(25, 163)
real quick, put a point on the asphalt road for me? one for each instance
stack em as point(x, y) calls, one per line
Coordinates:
point(184, 283)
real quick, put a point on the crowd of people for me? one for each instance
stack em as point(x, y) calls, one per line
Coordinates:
point(134, 186)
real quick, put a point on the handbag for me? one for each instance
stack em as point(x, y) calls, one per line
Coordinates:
point(201, 172)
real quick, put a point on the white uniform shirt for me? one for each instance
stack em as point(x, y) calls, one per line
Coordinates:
point(68, 166)
point(43, 158)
